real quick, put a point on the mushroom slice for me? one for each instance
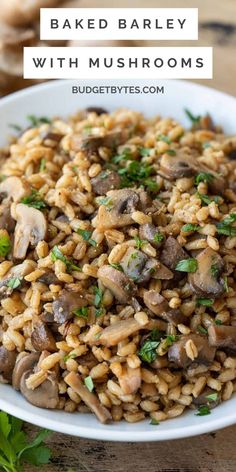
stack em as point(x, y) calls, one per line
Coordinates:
point(31, 227)
point(105, 181)
point(66, 303)
point(7, 362)
point(207, 280)
point(180, 165)
point(116, 332)
point(89, 398)
point(147, 232)
point(117, 282)
point(130, 380)
point(24, 364)
point(6, 220)
point(222, 336)
point(42, 338)
point(91, 143)
point(203, 399)
point(162, 272)
point(155, 302)
point(122, 204)
point(98, 110)
point(19, 272)
point(177, 353)
point(137, 266)
point(44, 396)
point(15, 188)
point(172, 253)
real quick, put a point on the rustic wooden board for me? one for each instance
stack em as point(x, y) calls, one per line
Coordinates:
point(214, 452)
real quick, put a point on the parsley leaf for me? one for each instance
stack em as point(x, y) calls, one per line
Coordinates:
point(15, 127)
point(203, 410)
point(15, 447)
point(158, 237)
point(124, 156)
point(117, 266)
point(194, 118)
point(14, 282)
point(107, 201)
point(212, 397)
point(226, 227)
point(42, 166)
point(190, 227)
point(226, 287)
point(139, 242)
point(81, 312)
point(88, 381)
point(214, 270)
point(163, 137)
point(187, 265)
point(34, 200)
point(154, 422)
point(147, 352)
point(204, 177)
point(37, 121)
point(144, 151)
point(71, 355)
point(205, 301)
point(171, 152)
point(207, 200)
point(5, 245)
point(218, 322)
point(56, 254)
point(86, 235)
point(202, 330)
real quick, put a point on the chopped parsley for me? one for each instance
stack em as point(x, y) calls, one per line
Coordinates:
point(71, 355)
point(190, 227)
point(144, 151)
point(226, 227)
point(206, 145)
point(87, 129)
point(15, 127)
point(158, 237)
point(88, 382)
point(187, 265)
point(14, 282)
point(99, 310)
point(193, 118)
point(37, 121)
point(163, 137)
point(214, 270)
point(139, 242)
point(203, 410)
point(147, 352)
point(106, 201)
point(135, 173)
point(34, 200)
point(42, 166)
point(5, 245)
point(218, 322)
point(207, 200)
point(202, 330)
point(154, 422)
point(205, 301)
point(226, 287)
point(204, 177)
point(124, 156)
point(151, 185)
point(81, 312)
point(86, 235)
point(56, 254)
point(212, 397)
point(117, 266)
point(171, 152)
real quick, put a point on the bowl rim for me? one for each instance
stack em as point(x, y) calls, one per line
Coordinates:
point(104, 432)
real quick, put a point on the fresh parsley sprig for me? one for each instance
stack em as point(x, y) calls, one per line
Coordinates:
point(34, 200)
point(56, 254)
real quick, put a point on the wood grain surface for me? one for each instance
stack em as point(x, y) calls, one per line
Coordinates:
point(214, 452)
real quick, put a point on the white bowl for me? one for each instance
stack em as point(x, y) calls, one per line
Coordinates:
point(55, 98)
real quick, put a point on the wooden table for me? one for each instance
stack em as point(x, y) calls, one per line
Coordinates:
point(214, 452)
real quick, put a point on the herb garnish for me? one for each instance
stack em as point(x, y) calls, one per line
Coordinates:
point(202, 330)
point(57, 254)
point(187, 265)
point(144, 151)
point(218, 322)
point(226, 287)
point(158, 237)
point(136, 173)
point(14, 282)
point(86, 235)
point(214, 270)
point(204, 177)
point(81, 312)
point(226, 227)
point(124, 156)
point(207, 200)
point(34, 200)
point(194, 118)
point(5, 245)
point(16, 448)
point(37, 121)
point(154, 422)
point(148, 350)
point(163, 137)
point(205, 301)
point(190, 227)
point(106, 201)
point(171, 152)
point(71, 355)
point(203, 410)
point(88, 381)
point(42, 166)
point(15, 127)
point(139, 242)
point(117, 266)
point(98, 302)
point(212, 397)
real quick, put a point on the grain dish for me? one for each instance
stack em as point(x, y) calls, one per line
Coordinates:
point(117, 265)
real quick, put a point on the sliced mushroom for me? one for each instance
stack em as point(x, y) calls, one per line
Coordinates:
point(24, 364)
point(7, 362)
point(118, 283)
point(122, 204)
point(162, 272)
point(31, 228)
point(14, 188)
point(19, 272)
point(116, 332)
point(147, 232)
point(172, 253)
point(182, 164)
point(177, 352)
point(203, 399)
point(89, 398)
point(6, 220)
point(98, 110)
point(158, 304)
point(91, 143)
point(207, 280)
point(66, 303)
point(49, 277)
point(42, 338)
point(44, 396)
point(137, 266)
point(105, 181)
point(130, 380)
point(222, 336)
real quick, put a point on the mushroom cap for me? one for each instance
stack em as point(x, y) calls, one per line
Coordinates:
point(222, 336)
point(24, 364)
point(44, 396)
point(42, 338)
point(204, 281)
point(105, 181)
point(178, 355)
point(31, 228)
point(137, 266)
point(65, 304)
point(14, 188)
point(123, 203)
point(180, 165)
point(117, 282)
point(7, 362)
